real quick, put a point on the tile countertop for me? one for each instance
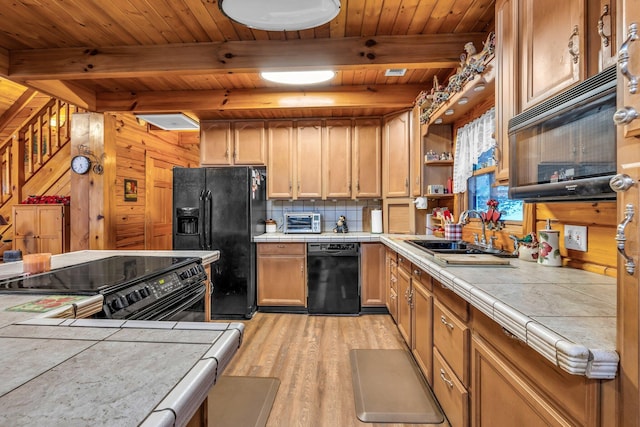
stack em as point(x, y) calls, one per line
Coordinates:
point(567, 315)
point(77, 372)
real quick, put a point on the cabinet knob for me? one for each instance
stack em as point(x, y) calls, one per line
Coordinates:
point(603, 37)
point(443, 376)
point(444, 321)
point(625, 115)
point(575, 53)
point(623, 58)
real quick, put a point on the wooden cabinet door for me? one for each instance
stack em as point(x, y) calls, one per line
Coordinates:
point(25, 221)
point(215, 143)
point(281, 280)
point(396, 155)
point(367, 159)
point(391, 281)
point(308, 160)
point(336, 160)
point(280, 160)
point(497, 387)
point(372, 274)
point(506, 81)
point(404, 304)
point(548, 65)
point(422, 326)
point(628, 333)
point(249, 143)
point(416, 150)
point(50, 229)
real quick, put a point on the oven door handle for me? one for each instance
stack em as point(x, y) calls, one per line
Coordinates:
point(198, 295)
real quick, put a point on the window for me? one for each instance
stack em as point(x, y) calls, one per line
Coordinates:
point(481, 187)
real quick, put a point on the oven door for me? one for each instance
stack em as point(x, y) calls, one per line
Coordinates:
point(188, 308)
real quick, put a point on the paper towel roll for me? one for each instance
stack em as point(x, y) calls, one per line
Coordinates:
point(376, 221)
point(429, 224)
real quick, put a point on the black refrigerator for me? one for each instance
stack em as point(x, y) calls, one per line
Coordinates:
point(222, 208)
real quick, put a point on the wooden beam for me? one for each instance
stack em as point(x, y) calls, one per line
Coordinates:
point(4, 62)
point(390, 96)
point(66, 91)
point(414, 51)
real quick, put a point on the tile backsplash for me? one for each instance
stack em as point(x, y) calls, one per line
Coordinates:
point(329, 209)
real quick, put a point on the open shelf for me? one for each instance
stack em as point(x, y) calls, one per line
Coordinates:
point(439, 162)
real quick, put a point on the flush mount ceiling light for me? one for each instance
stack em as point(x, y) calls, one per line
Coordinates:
point(170, 121)
point(280, 15)
point(298, 77)
point(395, 72)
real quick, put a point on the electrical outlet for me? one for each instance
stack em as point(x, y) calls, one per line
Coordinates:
point(575, 237)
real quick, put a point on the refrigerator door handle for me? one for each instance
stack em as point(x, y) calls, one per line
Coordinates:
point(207, 220)
point(201, 220)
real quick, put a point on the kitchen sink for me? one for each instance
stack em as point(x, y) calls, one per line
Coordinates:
point(457, 247)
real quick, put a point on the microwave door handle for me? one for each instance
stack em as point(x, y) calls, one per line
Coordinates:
point(201, 221)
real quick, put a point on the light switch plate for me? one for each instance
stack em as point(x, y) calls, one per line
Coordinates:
point(575, 237)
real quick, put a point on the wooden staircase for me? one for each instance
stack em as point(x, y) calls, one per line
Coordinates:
point(35, 159)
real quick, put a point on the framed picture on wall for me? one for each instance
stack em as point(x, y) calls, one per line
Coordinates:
point(130, 190)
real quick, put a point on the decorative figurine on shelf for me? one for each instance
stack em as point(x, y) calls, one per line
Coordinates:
point(491, 217)
point(341, 225)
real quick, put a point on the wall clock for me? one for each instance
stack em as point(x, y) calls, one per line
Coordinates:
point(80, 164)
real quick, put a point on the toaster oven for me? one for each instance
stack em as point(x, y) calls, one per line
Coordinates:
point(302, 222)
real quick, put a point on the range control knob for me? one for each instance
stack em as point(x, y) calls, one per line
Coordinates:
point(118, 303)
point(145, 292)
point(134, 296)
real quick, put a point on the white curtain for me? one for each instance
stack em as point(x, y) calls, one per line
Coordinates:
point(472, 140)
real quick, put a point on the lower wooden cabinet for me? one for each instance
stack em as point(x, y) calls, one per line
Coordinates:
point(372, 274)
point(41, 228)
point(422, 322)
point(391, 283)
point(404, 300)
point(506, 373)
point(282, 274)
point(451, 393)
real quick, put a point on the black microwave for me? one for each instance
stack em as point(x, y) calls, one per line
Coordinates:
point(564, 149)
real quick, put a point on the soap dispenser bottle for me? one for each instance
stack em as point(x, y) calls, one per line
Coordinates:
point(549, 247)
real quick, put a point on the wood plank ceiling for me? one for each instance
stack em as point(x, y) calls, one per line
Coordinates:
point(186, 55)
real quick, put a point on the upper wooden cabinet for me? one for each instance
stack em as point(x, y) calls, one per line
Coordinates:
point(367, 159)
point(237, 143)
point(336, 159)
point(308, 157)
point(396, 140)
point(506, 64)
point(280, 178)
point(324, 159)
point(553, 47)
point(417, 153)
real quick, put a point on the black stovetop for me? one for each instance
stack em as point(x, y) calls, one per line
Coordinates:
point(95, 277)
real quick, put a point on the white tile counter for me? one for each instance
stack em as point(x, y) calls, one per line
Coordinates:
point(78, 372)
point(565, 314)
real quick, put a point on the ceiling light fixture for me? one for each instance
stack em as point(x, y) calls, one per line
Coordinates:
point(449, 112)
point(395, 72)
point(478, 88)
point(298, 77)
point(170, 121)
point(280, 15)
point(463, 101)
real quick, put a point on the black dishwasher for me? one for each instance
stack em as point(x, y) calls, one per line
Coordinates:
point(333, 278)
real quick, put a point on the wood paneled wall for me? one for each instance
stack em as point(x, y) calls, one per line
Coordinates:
point(133, 142)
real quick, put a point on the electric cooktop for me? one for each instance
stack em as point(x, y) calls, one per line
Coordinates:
point(97, 276)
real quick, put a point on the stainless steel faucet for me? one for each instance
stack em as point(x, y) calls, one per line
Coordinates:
point(464, 219)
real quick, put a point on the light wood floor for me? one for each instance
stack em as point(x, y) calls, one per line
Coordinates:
point(310, 356)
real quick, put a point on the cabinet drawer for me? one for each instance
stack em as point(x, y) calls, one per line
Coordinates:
point(281, 248)
point(404, 264)
point(451, 337)
point(453, 302)
point(422, 277)
point(450, 392)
